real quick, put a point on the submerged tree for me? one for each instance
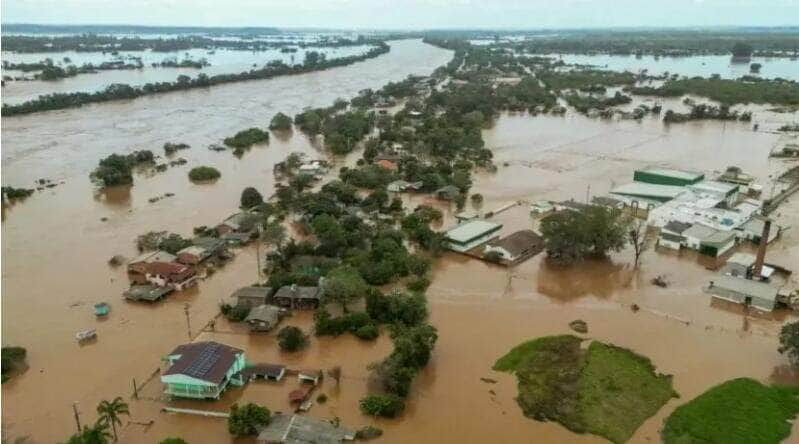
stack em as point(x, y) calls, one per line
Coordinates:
point(591, 231)
point(789, 342)
point(637, 237)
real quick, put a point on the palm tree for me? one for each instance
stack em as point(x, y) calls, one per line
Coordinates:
point(109, 413)
point(91, 435)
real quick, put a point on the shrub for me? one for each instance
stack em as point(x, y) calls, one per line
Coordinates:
point(387, 405)
point(419, 284)
point(280, 122)
point(234, 313)
point(247, 138)
point(367, 332)
point(204, 173)
point(246, 420)
point(292, 339)
point(321, 399)
point(171, 148)
point(173, 441)
point(368, 432)
point(13, 358)
point(16, 193)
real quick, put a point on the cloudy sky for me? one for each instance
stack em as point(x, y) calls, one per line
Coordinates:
point(407, 14)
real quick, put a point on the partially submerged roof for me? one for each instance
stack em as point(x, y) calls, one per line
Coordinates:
point(167, 268)
point(296, 429)
point(195, 250)
point(207, 361)
point(667, 175)
point(520, 242)
point(252, 292)
point(264, 313)
point(154, 256)
point(469, 231)
point(262, 369)
point(719, 238)
point(746, 287)
point(146, 292)
point(297, 292)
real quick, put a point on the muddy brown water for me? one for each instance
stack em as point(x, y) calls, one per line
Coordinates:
point(55, 249)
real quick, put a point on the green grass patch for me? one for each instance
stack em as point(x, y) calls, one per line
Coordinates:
point(602, 389)
point(737, 411)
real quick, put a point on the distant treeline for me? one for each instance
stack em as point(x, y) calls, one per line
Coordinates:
point(123, 91)
point(111, 43)
point(31, 28)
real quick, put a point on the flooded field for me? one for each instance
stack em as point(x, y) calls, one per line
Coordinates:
point(703, 65)
point(56, 248)
point(222, 61)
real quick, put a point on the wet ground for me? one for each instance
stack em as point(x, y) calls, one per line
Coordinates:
point(55, 251)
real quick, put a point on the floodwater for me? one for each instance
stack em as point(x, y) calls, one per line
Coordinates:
point(691, 66)
point(480, 310)
point(223, 61)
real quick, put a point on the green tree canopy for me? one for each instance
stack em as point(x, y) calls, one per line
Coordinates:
point(247, 419)
point(250, 197)
point(573, 235)
point(344, 285)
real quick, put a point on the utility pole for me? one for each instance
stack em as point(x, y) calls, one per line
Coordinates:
point(258, 251)
point(188, 319)
point(77, 415)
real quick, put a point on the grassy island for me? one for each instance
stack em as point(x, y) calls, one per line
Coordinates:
point(600, 389)
point(737, 411)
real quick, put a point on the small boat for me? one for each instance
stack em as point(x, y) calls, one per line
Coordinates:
point(86, 335)
point(101, 309)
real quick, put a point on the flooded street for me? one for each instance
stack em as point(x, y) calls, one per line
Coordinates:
point(55, 252)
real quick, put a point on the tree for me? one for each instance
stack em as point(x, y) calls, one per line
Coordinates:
point(280, 122)
point(741, 49)
point(98, 434)
point(754, 68)
point(789, 342)
point(109, 412)
point(204, 173)
point(291, 339)
point(115, 169)
point(387, 405)
point(250, 197)
point(574, 235)
point(343, 286)
point(172, 440)
point(637, 237)
point(246, 420)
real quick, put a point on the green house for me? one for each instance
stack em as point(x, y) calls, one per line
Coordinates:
point(202, 370)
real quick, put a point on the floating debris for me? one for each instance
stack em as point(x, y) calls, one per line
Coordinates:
point(117, 260)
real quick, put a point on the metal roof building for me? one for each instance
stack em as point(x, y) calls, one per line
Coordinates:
point(648, 191)
point(468, 235)
point(744, 291)
point(667, 176)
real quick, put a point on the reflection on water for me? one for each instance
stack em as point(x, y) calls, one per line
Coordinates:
point(600, 278)
point(118, 196)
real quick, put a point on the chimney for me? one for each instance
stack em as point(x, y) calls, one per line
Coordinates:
point(761, 250)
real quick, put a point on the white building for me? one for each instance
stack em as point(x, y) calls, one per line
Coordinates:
point(469, 235)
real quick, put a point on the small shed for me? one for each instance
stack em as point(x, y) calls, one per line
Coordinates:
point(271, 372)
point(671, 235)
point(147, 292)
point(310, 375)
point(264, 317)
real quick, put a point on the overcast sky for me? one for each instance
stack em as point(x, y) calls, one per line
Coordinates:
point(407, 14)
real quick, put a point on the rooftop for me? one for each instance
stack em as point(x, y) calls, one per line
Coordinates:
point(519, 242)
point(746, 287)
point(155, 256)
point(194, 249)
point(252, 292)
point(208, 361)
point(471, 230)
point(297, 292)
point(676, 227)
point(714, 186)
point(265, 313)
point(297, 429)
point(659, 192)
point(700, 232)
point(670, 172)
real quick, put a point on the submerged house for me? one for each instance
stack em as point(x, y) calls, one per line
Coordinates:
point(171, 274)
point(709, 241)
point(471, 234)
point(193, 255)
point(297, 297)
point(264, 317)
point(139, 265)
point(671, 235)
point(269, 372)
point(202, 370)
point(299, 429)
point(251, 296)
point(516, 247)
point(242, 222)
point(760, 295)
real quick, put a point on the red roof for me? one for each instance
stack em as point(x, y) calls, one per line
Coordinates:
point(387, 164)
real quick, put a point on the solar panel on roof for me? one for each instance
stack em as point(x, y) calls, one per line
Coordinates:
point(205, 361)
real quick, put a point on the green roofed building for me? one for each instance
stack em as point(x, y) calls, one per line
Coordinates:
point(468, 235)
point(648, 192)
point(667, 176)
point(202, 370)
